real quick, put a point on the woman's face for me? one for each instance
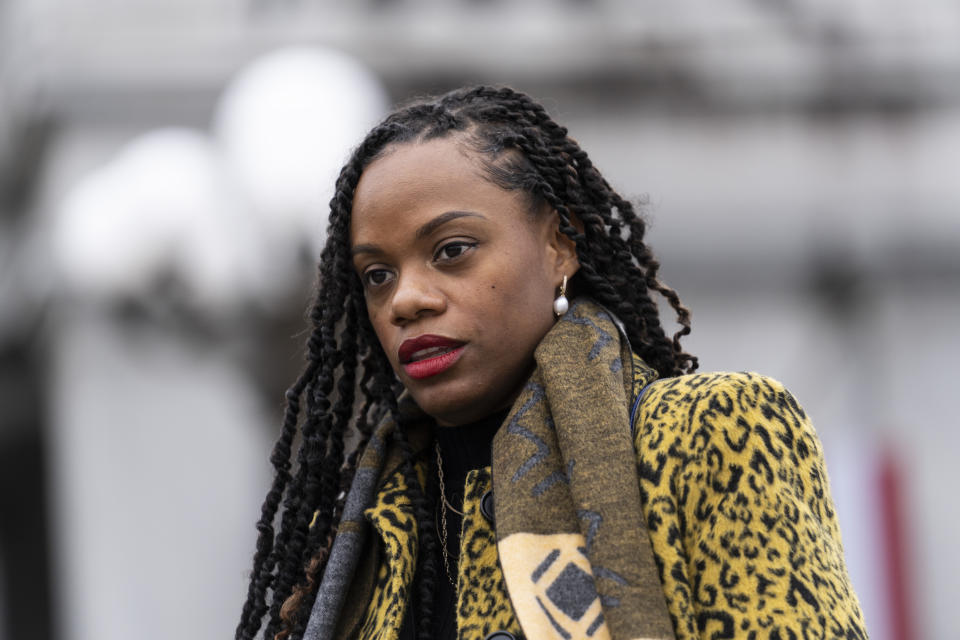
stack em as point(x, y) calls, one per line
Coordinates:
point(459, 277)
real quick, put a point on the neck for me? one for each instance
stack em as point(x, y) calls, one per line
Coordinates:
point(467, 447)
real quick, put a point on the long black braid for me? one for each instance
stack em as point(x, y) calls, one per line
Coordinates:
point(523, 149)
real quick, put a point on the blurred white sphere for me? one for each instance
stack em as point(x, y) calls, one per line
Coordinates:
point(163, 205)
point(226, 216)
point(287, 123)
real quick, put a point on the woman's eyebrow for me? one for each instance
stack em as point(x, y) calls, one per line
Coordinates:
point(365, 248)
point(426, 229)
point(431, 226)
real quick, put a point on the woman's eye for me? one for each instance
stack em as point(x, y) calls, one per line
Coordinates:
point(377, 277)
point(453, 250)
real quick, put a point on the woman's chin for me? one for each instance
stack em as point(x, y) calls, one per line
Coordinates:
point(452, 406)
point(452, 410)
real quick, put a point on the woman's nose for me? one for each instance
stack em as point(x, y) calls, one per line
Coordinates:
point(415, 296)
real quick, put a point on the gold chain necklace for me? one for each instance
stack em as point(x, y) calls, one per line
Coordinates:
point(444, 505)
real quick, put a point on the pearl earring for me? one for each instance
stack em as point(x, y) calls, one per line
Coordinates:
point(560, 304)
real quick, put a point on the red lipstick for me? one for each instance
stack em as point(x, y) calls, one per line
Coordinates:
point(429, 355)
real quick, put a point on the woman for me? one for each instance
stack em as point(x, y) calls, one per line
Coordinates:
point(485, 320)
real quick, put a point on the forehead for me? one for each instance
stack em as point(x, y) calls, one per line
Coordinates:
point(422, 179)
point(413, 164)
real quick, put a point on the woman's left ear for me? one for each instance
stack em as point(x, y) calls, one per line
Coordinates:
point(562, 247)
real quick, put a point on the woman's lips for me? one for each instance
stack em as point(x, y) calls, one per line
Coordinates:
point(429, 355)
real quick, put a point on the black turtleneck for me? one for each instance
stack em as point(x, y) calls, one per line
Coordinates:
point(463, 449)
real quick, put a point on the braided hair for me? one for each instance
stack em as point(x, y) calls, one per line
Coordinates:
point(522, 149)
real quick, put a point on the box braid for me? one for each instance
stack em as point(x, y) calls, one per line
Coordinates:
point(522, 149)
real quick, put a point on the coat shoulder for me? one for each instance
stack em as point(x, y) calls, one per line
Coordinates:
point(737, 503)
point(723, 409)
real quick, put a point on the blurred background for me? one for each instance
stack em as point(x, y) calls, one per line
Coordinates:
point(164, 172)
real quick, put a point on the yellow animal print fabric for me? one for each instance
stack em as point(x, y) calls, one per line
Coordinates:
point(482, 605)
point(738, 507)
point(394, 521)
point(737, 502)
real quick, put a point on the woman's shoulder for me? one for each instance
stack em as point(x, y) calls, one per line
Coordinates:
point(738, 506)
point(693, 384)
point(697, 413)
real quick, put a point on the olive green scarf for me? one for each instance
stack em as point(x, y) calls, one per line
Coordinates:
point(573, 545)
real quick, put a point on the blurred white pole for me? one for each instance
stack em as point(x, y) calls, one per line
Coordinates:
point(158, 447)
point(159, 457)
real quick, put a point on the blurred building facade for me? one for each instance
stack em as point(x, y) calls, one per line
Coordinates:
point(799, 164)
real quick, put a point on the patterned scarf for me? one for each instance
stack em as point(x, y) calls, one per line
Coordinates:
point(573, 545)
point(574, 548)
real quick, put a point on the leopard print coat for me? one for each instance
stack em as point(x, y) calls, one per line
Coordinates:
point(738, 507)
